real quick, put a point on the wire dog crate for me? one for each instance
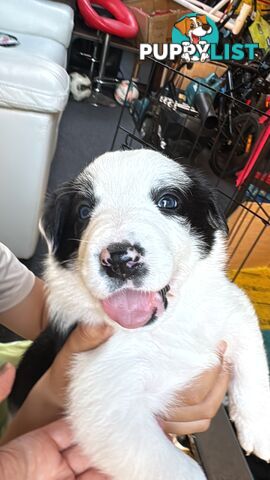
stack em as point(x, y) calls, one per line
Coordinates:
point(214, 117)
point(233, 150)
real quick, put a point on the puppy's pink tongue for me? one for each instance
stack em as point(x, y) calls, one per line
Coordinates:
point(195, 39)
point(131, 308)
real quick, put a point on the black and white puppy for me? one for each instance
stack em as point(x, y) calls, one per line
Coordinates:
point(136, 241)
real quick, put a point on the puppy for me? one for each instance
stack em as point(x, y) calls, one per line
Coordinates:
point(194, 27)
point(137, 241)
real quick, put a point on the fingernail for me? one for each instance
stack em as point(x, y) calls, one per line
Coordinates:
point(222, 347)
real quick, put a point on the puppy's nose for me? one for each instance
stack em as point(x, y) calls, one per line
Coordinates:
point(122, 260)
point(205, 26)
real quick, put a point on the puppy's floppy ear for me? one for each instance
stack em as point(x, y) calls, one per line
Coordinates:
point(216, 218)
point(207, 212)
point(203, 19)
point(182, 26)
point(54, 215)
point(214, 215)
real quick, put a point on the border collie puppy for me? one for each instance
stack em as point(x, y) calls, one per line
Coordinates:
point(137, 241)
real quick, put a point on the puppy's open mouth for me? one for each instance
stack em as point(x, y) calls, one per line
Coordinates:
point(195, 38)
point(134, 308)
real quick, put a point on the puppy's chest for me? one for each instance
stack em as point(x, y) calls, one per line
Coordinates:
point(149, 366)
point(174, 362)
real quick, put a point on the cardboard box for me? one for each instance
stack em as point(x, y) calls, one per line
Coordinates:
point(198, 70)
point(156, 19)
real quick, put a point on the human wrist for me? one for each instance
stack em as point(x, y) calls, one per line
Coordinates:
point(39, 408)
point(46, 392)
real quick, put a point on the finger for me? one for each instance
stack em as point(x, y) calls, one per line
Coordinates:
point(203, 384)
point(7, 376)
point(199, 387)
point(83, 338)
point(221, 348)
point(92, 475)
point(78, 462)
point(185, 428)
point(60, 433)
point(208, 408)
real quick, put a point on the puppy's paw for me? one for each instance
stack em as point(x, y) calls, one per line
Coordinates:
point(204, 57)
point(254, 435)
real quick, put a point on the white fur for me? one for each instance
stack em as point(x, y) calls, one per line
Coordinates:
point(80, 86)
point(117, 390)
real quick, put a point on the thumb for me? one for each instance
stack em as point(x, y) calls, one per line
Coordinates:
point(85, 338)
point(82, 339)
point(7, 375)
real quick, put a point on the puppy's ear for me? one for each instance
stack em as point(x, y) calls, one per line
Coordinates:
point(203, 19)
point(54, 215)
point(207, 210)
point(216, 218)
point(182, 26)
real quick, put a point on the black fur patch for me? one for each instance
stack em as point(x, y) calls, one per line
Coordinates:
point(35, 362)
point(61, 221)
point(198, 205)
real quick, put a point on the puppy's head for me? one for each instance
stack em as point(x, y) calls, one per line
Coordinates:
point(125, 235)
point(194, 27)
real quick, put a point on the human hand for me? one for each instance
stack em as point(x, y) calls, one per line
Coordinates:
point(7, 376)
point(46, 454)
point(196, 406)
point(45, 402)
point(82, 339)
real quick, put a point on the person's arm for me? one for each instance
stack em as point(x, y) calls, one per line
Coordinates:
point(48, 453)
point(45, 402)
point(29, 317)
point(22, 297)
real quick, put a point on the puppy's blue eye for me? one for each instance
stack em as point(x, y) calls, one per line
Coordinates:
point(84, 212)
point(169, 202)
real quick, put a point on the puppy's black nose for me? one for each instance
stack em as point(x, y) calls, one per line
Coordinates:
point(205, 26)
point(123, 260)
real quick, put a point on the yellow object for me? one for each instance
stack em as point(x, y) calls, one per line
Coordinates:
point(260, 32)
point(10, 352)
point(256, 283)
point(261, 5)
point(13, 351)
